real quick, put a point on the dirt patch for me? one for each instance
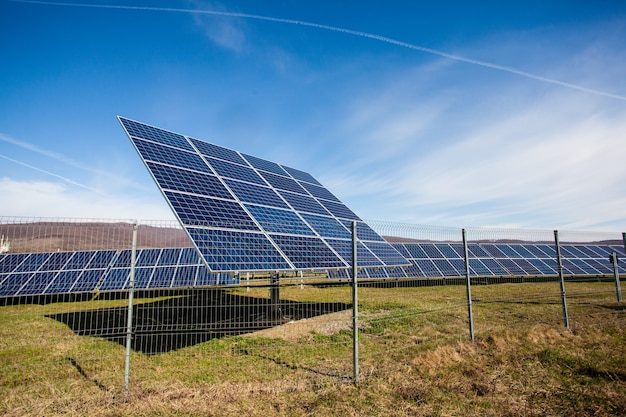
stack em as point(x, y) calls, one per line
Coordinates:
point(327, 324)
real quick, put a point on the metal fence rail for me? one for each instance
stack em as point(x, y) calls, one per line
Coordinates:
point(181, 324)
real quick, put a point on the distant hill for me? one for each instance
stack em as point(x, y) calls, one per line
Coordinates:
point(73, 236)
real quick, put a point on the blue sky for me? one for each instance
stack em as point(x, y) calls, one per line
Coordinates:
point(443, 113)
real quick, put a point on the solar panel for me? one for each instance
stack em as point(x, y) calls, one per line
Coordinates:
point(103, 270)
point(244, 213)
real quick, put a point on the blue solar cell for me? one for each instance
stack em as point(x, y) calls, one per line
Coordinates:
point(571, 252)
point(459, 250)
point(549, 251)
point(363, 231)
point(189, 256)
point(319, 192)
point(147, 257)
point(283, 183)
point(571, 268)
point(33, 262)
point(307, 252)
point(38, 282)
point(144, 131)
point(233, 250)
point(88, 280)
point(327, 226)
point(276, 220)
point(475, 251)
point(413, 270)
point(375, 273)
point(339, 210)
point(508, 251)
point(63, 282)
point(79, 260)
point(303, 203)
point(56, 261)
point(116, 279)
point(492, 250)
point(249, 193)
point(142, 277)
point(301, 175)
point(446, 268)
point(523, 251)
point(162, 277)
point(416, 251)
point(587, 251)
point(446, 250)
point(13, 282)
point(11, 261)
point(172, 156)
point(210, 212)
point(458, 265)
point(428, 268)
point(101, 259)
point(169, 256)
point(584, 266)
point(511, 266)
point(344, 249)
point(602, 267)
point(186, 276)
point(386, 253)
point(177, 179)
point(402, 249)
point(542, 266)
point(527, 267)
point(477, 267)
point(431, 250)
point(494, 266)
point(218, 152)
point(236, 172)
point(534, 249)
point(268, 166)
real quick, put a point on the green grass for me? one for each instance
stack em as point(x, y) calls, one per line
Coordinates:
point(415, 359)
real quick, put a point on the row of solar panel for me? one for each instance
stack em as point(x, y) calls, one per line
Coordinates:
point(246, 213)
point(433, 260)
point(104, 270)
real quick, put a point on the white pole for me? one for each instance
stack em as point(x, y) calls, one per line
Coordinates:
point(131, 296)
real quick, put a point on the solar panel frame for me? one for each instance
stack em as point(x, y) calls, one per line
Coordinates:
point(297, 194)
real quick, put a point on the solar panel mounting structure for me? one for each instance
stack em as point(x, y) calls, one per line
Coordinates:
point(244, 213)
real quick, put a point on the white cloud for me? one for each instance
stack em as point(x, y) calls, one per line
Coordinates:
point(52, 199)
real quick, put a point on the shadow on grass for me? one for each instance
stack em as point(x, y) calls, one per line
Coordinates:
point(187, 320)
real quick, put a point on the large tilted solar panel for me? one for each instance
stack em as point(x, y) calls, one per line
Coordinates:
point(434, 260)
point(244, 213)
point(104, 270)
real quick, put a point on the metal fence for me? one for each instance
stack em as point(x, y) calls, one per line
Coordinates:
point(178, 324)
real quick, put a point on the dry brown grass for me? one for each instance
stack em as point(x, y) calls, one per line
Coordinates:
point(415, 361)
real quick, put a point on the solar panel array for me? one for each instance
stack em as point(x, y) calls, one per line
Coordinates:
point(499, 259)
point(103, 270)
point(245, 213)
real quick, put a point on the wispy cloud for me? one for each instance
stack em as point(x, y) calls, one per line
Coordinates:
point(25, 198)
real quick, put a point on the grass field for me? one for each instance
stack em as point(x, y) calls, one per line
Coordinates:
point(415, 359)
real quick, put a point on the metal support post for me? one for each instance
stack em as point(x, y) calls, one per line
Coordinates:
point(618, 287)
point(355, 308)
point(131, 298)
point(276, 313)
point(469, 287)
point(561, 279)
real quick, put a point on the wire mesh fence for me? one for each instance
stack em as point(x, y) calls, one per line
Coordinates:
point(65, 286)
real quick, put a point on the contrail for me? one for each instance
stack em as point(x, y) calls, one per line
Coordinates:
point(69, 181)
point(346, 31)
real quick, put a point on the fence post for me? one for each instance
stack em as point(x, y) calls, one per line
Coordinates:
point(561, 279)
point(131, 297)
point(618, 288)
point(355, 308)
point(468, 285)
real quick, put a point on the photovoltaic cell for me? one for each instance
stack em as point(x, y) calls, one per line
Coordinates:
point(221, 195)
